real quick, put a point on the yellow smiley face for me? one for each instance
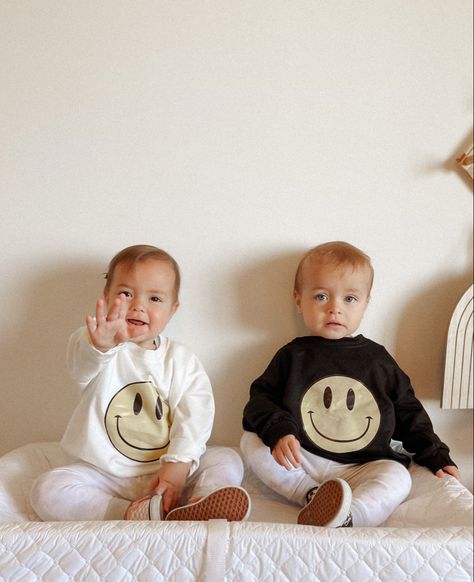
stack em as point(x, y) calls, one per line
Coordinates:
point(340, 414)
point(137, 422)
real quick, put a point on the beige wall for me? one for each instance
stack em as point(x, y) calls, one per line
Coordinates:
point(235, 134)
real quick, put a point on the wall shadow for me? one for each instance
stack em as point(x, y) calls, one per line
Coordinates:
point(420, 344)
point(266, 319)
point(38, 394)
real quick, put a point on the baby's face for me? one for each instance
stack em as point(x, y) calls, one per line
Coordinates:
point(332, 298)
point(149, 288)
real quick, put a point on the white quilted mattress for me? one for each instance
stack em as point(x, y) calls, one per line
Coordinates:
point(429, 537)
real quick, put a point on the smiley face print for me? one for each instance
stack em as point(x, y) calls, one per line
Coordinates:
point(340, 414)
point(137, 422)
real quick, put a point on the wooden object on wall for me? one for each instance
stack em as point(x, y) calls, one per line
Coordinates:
point(458, 374)
point(466, 161)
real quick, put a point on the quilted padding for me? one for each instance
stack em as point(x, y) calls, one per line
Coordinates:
point(428, 538)
point(263, 553)
point(260, 552)
point(102, 551)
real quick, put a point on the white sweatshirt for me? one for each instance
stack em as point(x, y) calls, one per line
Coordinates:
point(138, 407)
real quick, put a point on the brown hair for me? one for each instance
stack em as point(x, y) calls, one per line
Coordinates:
point(337, 253)
point(137, 253)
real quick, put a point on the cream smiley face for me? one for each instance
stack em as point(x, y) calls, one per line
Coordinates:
point(137, 422)
point(340, 414)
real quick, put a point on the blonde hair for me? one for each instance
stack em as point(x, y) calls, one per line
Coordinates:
point(336, 253)
point(138, 253)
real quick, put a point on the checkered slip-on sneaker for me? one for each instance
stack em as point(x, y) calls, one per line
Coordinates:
point(231, 503)
point(148, 508)
point(329, 506)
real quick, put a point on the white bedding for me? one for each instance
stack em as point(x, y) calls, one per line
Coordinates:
point(429, 537)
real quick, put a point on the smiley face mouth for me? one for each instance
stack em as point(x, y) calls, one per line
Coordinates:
point(369, 419)
point(118, 417)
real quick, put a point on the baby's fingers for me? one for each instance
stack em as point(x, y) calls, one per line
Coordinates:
point(450, 470)
point(118, 309)
point(282, 459)
point(287, 452)
point(294, 452)
point(100, 311)
point(91, 323)
point(293, 460)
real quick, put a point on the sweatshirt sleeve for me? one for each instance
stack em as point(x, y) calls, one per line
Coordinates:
point(192, 405)
point(265, 414)
point(414, 427)
point(84, 360)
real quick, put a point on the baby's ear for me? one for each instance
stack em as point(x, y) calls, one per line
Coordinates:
point(175, 307)
point(297, 300)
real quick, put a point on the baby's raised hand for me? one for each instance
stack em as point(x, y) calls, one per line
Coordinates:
point(106, 330)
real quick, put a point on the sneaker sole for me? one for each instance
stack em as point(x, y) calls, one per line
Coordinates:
point(330, 505)
point(147, 510)
point(231, 503)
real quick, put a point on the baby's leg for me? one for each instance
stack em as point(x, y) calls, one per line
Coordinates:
point(378, 488)
point(213, 491)
point(294, 484)
point(82, 492)
point(218, 467)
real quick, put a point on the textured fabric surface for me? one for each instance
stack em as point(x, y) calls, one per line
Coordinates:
point(246, 551)
point(427, 538)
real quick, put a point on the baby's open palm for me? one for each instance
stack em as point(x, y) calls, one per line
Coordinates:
point(107, 330)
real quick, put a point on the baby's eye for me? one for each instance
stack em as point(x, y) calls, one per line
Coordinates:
point(155, 299)
point(351, 299)
point(321, 297)
point(125, 293)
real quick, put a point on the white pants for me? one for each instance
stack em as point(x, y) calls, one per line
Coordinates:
point(378, 487)
point(82, 492)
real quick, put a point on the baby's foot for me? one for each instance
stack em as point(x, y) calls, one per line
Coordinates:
point(146, 508)
point(328, 505)
point(231, 503)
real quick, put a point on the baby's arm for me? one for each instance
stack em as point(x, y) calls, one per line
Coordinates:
point(450, 470)
point(287, 452)
point(192, 405)
point(266, 416)
point(169, 483)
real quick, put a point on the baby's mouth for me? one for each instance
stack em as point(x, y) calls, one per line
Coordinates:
point(135, 322)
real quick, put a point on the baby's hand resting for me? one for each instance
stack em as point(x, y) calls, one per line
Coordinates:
point(169, 483)
point(108, 330)
point(287, 452)
point(450, 470)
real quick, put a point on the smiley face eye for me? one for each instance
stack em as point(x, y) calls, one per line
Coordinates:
point(159, 408)
point(327, 398)
point(137, 404)
point(350, 399)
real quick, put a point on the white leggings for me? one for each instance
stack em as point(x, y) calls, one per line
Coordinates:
point(82, 492)
point(377, 487)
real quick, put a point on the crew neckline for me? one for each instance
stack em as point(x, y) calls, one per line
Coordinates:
point(351, 341)
point(159, 342)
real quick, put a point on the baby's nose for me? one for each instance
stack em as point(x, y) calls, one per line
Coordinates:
point(334, 307)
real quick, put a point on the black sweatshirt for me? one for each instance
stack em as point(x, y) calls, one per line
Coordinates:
point(344, 400)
